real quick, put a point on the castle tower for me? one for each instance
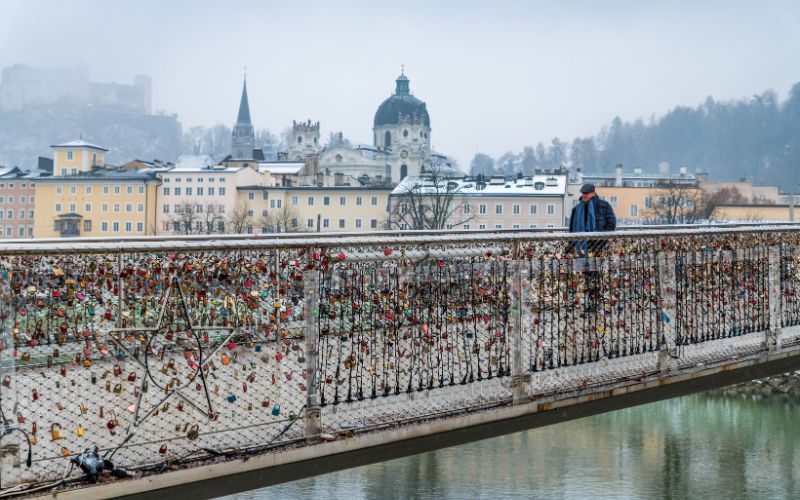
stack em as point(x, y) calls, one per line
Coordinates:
point(243, 137)
point(304, 140)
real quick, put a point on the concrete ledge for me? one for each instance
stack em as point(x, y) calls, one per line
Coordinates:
point(288, 465)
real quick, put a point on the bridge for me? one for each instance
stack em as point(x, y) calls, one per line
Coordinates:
point(203, 367)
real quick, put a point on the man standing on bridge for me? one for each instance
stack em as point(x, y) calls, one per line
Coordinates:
point(590, 215)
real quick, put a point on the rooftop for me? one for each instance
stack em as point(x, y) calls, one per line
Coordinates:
point(79, 144)
point(537, 185)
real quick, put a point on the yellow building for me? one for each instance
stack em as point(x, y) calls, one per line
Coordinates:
point(313, 208)
point(756, 213)
point(84, 197)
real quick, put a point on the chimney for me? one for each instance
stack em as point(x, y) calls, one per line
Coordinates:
point(618, 175)
point(683, 171)
point(338, 179)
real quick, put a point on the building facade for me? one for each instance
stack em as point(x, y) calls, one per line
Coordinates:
point(84, 197)
point(201, 200)
point(17, 203)
point(314, 208)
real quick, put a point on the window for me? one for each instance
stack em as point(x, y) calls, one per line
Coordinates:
point(295, 200)
point(467, 208)
point(141, 189)
point(87, 207)
point(342, 201)
point(374, 201)
point(211, 191)
point(373, 223)
point(263, 213)
point(140, 208)
point(515, 226)
point(551, 209)
point(482, 209)
point(166, 209)
point(74, 171)
point(177, 191)
point(104, 208)
point(482, 226)
point(341, 223)
point(59, 190)
point(140, 227)
point(69, 155)
point(87, 189)
point(249, 213)
point(106, 189)
point(22, 214)
point(310, 201)
point(188, 191)
point(10, 214)
point(87, 225)
point(648, 201)
point(533, 226)
point(30, 214)
point(326, 200)
point(129, 207)
point(264, 195)
point(116, 208)
point(515, 209)
point(56, 227)
point(310, 223)
point(249, 229)
point(498, 209)
point(63, 171)
point(498, 226)
point(198, 209)
point(359, 201)
point(251, 196)
point(222, 191)
point(358, 223)
point(534, 209)
point(634, 210)
point(117, 189)
point(325, 223)
point(58, 207)
point(115, 226)
point(104, 226)
point(128, 227)
point(466, 226)
point(613, 201)
point(129, 189)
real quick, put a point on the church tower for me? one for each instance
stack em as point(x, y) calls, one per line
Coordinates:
point(243, 137)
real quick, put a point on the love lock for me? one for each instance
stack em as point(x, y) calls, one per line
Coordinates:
point(194, 432)
point(55, 432)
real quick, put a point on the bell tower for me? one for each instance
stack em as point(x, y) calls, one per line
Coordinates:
point(243, 137)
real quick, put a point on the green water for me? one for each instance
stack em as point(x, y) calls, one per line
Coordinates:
point(702, 446)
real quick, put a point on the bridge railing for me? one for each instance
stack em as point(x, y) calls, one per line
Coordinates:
point(168, 353)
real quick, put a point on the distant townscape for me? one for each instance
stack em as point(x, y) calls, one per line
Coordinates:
point(260, 185)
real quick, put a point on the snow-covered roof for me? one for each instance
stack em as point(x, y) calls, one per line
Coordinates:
point(206, 169)
point(197, 161)
point(281, 167)
point(537, 185)
point(78, 144)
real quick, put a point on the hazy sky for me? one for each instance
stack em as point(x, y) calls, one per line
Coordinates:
point(496, 76)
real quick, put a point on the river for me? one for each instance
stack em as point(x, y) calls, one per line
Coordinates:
point(702, 446)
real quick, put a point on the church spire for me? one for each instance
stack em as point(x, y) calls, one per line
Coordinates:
point(402, 82)
point(244, 107)
point(243, 137)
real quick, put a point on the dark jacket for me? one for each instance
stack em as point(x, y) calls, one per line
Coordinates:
point(603, 215)
point(605, 220)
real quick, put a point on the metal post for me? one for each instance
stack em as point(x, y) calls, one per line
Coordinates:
point(518, 376)
point(773, 339)
point(310, 313)
point(669, 298)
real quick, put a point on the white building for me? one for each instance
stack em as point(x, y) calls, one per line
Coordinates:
point(209, 192)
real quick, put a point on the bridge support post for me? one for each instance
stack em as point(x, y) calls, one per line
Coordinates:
point(518, 376)
point(773, 339)
point(313, 420)
point(668, 291)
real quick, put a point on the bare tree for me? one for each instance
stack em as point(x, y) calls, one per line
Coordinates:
point(191, 218)
point(281, 220)
point(676, 202)
point(429, 202)
point(237, 221)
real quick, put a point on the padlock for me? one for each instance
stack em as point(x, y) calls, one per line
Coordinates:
point(82, 409)
point(117, 370)
point(276, 410)
point(26, 356)
point(194, 432)
point(132, 377)
point(226, 360)
point(265, 403)
point(20, 418)
point(118, 389)
point(94, 378)
point(55, 432)
point(163, 449)
point(79, 431)
point(7, 381)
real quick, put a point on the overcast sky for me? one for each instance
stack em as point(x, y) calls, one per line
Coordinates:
point(496, 76)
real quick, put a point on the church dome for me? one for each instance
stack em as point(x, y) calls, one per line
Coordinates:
point(401, 103)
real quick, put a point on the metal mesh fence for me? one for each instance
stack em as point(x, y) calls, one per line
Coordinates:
point(163, 353)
